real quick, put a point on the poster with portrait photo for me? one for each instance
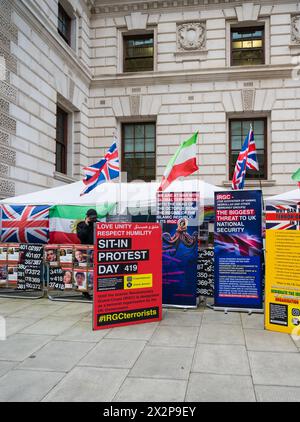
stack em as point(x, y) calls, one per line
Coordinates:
point(3, 253)
point(90, 282)
point(12, 274)
point(12, 253)
point(68, 278)
point(3, 275)
point(66, 254)
point(90, 257)
point(51, 255)
point(80, 280)
point(80, 257)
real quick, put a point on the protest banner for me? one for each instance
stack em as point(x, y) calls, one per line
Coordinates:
point(178, 213)
point(238, 249)
point(282, 292)
point(127, 274)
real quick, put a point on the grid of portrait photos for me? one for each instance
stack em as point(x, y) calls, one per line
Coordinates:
point(70, 267)
point(9, 258)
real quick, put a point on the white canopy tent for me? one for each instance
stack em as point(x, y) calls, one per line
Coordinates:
point(290, 197)
point(139, 195)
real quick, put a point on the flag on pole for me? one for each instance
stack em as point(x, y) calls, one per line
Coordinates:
point(247, 159)
point(63, 220)
point(105, 170)
point(183, 163)
point(296, 176)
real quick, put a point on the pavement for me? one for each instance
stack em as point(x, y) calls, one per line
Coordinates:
point(52, 354)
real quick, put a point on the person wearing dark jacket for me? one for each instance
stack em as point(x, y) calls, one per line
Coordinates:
point(85, 229)
point(85, 233)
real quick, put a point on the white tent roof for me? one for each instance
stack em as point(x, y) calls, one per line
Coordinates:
point(290, 197)
point(134, 194)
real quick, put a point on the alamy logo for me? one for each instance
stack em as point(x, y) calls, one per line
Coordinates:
point(2, 328)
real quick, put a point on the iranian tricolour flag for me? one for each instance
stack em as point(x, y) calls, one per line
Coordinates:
point(296, 177)
point(64, 219)
point(183, 163)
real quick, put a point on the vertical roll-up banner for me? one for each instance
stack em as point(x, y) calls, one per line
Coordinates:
point(178, 212)
point(238, 249)
point(127, 274)
point(282, 298)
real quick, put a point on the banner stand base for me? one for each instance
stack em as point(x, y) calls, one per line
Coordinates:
point(184, 307)
point(69, 298)
point(249, 311)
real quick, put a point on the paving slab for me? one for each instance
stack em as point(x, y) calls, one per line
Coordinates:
point(19, 346)
point(74, 310)
point(151, 390)
point(16, 325)
point(57, 356)
point(220, 388)
point(88, 317)
point(221, 359)
point(219, 317)
point(12, 306)
point(182, 318)
point(268, 341)
point(36, 311)
point(253, 321)
point(133, 332)
point(82, 331)
point(164, 362)
point(221, 334)
point(49, 325)
point(114, 353)
point(271, 368)
point(296, 339)
point(6, 366)
point(88, 385)
point(277, 394)
point(27, 386)
point(175, 336)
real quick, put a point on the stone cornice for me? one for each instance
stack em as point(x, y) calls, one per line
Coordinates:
point(32, 14)
point(207, 75)
point(125, 6)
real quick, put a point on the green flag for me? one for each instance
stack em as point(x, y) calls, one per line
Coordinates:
point(296, 176)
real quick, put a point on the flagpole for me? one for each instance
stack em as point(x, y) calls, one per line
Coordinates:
point(117, 140)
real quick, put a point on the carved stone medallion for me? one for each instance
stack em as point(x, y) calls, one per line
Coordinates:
point(191, 36)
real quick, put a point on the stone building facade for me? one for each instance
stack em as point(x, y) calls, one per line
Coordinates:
point(199, 79)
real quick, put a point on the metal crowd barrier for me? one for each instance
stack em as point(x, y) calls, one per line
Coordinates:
point(21, 267)
point(26, 269)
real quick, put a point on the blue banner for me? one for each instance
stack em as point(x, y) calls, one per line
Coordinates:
point(178, 214)
point(238, 249)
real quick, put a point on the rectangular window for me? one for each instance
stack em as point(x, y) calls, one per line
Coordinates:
point(138, 53)
point(61, 140)
point(247, 46)
point(238, 130)
point(138, 151)
point(64, 24)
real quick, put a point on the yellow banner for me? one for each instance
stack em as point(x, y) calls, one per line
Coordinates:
point(282, 290)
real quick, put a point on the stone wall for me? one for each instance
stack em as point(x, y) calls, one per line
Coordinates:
point(47, 72)
point(196, 89)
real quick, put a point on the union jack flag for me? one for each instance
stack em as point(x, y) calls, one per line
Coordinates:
point(106, 169)
point(25, 224)
point(247, 159)
point(241, 245)
point(283, 217)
